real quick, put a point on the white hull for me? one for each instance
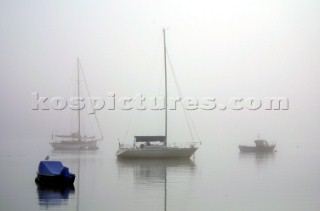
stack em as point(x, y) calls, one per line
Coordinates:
point(74, 145)
point(163, 152)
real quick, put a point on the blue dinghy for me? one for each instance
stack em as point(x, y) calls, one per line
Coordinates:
point(54, 173)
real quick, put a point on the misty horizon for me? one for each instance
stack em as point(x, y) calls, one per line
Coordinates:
point(222, 54)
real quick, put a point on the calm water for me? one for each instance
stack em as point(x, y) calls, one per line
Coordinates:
point(217, 179)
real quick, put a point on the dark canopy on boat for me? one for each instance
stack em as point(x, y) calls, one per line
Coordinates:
point(149, 138)
point(261, 143)
point(50, 167)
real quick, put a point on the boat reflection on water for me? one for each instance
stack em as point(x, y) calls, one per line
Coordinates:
point(65, 197)
point(54, 196)
point(154, 169)
point(153, 179)
point(261, 159)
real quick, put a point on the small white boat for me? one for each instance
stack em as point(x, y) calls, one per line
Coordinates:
point(262, 146)
point(160, 149)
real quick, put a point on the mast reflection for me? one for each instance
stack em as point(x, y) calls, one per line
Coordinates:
point(155, 174)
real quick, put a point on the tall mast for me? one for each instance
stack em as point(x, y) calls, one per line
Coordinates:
point(165, 82)
point(78, 93)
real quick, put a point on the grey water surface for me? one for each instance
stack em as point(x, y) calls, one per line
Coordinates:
point(217, 179)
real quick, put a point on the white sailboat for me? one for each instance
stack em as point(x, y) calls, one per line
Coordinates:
point(77, 140)
point(160, 149)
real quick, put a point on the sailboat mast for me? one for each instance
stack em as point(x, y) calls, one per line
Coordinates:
point(165, 82)
point(78, 93)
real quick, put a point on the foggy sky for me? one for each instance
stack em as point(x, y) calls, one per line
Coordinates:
point(220, 49)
